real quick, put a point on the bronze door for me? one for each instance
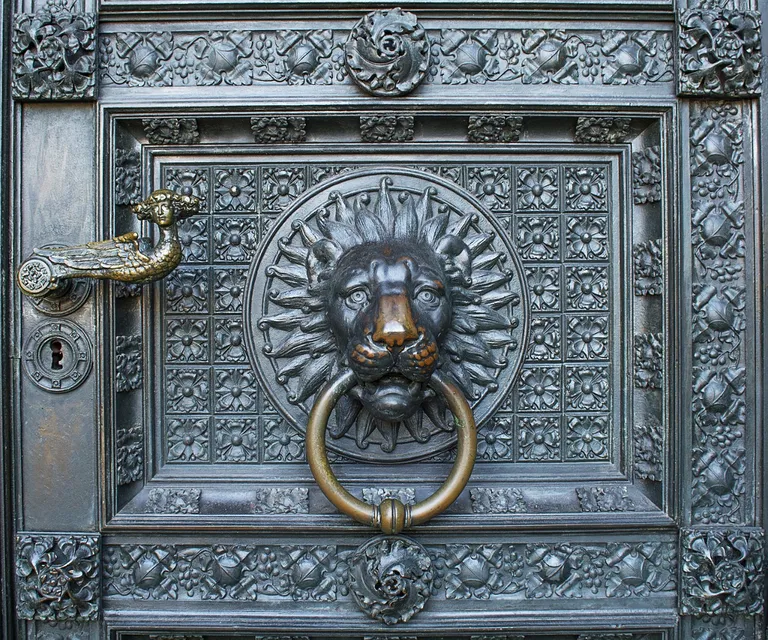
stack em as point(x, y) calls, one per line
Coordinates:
point(340, 321)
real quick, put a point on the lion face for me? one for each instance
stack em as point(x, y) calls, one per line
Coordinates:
point(388, 308)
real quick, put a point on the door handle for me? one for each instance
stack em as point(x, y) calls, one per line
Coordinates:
point(391, 516)
point(127, 258)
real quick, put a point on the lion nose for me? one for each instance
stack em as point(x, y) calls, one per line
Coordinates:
point(394, 321)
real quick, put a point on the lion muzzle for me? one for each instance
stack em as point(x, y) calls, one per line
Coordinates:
point(394, 325)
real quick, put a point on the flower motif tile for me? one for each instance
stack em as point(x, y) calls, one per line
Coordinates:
point(587, 338)
point(187, 390)
point(587, 288)
point(188, 440)
point(186, 340)
point(491, 185)
point(280, 186)
point(282, 443)
point(587, 438)
point(539, 438)
point(186, 291)
point(586, 388)
point(495, 440)
point(236, 390)
point(193, 237)
point(545, 338)
point(537, 189)
point(538, 237)
point(235, 189)
point(189, 182)
point(586, 189)
point(539, 389)
point(229, 341)
point(229, 287)
point(235, 239)
point(586, 238)
point(544, 288)
point(237, 440)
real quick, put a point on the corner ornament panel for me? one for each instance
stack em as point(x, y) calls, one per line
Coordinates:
point(54, 54)
point(720, 53)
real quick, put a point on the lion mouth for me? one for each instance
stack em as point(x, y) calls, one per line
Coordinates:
point(393, 381)
point(391, 397)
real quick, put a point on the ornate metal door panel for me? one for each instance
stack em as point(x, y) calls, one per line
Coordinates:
point(547, 223)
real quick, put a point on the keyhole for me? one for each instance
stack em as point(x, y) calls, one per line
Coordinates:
point(56, 355)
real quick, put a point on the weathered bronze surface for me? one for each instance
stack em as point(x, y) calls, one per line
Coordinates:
point(601, 161)
point(126, 258)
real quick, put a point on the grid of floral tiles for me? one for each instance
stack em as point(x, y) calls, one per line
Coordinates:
point(558, 217)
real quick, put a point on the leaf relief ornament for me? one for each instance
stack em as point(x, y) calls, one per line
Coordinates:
point(391, 578)
point(388, 52)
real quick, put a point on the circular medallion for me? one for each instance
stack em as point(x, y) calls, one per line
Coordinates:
point(393, 273)
point(391, 578)
point(387, 53)
point(35, 277)
point(58, 356)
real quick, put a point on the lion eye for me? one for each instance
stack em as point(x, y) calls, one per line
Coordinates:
point(357, 298)
point(427, 296)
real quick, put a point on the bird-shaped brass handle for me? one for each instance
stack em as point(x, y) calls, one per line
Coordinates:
point(127, 258)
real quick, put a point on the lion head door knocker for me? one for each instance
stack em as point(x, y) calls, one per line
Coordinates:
point(386, 301)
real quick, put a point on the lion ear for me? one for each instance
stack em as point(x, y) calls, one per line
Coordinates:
point(457, 259)
point(321, 261)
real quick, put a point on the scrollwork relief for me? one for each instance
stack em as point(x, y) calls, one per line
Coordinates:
point(502, 500)
point(494, 128)
point(648, 268)
point(279, 500)
point(649, 360)
point(129, 454)
point(604, 499)
point(171, 130)
point(173, 501)
point(386, 128)
point(648, 438)
point(279, 129)
point(646, 175)
point(602, 130)
point(129, 368)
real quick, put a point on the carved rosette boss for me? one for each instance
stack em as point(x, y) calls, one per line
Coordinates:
point(391, 578)
point(387, 53)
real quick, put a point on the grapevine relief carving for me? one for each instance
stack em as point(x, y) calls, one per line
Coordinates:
point(719, 322)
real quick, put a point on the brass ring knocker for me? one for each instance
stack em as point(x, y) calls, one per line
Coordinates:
point(391, 516)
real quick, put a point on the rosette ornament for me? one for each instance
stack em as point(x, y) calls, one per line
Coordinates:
point(387, 53)
point(391, 578)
